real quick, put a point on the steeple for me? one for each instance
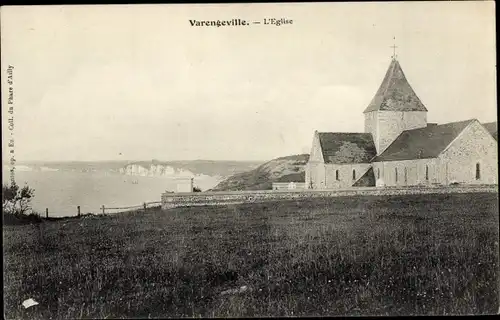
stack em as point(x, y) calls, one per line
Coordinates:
point(395, 93)
point(394, 108)
point(394, 56)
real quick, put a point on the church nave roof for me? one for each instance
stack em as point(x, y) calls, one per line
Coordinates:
point(347, 147)
point(422, 143)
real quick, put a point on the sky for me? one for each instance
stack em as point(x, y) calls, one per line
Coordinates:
point(138, 82)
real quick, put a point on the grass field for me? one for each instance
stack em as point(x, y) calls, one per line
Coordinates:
point(425, 254)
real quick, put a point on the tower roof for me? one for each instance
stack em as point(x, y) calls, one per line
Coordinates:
point(395, 93)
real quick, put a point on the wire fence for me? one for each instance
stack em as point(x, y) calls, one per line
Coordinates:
point(144, 206)
point(113, 210)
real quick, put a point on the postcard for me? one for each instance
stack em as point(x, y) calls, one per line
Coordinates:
point(250, 160)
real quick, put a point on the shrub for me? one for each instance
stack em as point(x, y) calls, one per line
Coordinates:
point(17, 200)
point(16, 205)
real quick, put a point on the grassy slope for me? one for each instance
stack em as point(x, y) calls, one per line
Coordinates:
point(262, 177)
point(429, 254)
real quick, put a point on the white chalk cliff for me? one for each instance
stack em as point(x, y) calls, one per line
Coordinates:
point(156, 170)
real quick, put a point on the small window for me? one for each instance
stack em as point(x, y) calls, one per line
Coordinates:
point(406, 175)
point(396, 174)
point(478, 171)
point(353, 174)
point(378, 173)
point(337, 175)
point(426, 173)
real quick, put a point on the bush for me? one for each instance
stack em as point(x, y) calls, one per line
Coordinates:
point(15, 200)
point(196, 189)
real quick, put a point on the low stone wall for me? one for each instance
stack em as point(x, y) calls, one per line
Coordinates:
point(172, 200)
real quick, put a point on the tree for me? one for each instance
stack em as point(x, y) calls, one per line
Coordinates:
point(17, 200)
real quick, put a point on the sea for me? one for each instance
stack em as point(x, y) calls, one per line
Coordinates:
point(62, 191)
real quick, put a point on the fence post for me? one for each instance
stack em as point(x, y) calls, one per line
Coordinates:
point(103, 209)
point(47, 213)
point(145, 206)
point(78, 209)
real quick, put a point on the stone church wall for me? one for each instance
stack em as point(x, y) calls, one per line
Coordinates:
point(474, 146)
point(315, 168)
point(371, 124)
point(345, 174)
point(324, 176)
point(315, 175)
point(408, 172)
point(307, 173)
point(316, 155)
point(390, 124)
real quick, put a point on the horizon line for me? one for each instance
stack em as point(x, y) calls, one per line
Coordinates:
point(128, 160)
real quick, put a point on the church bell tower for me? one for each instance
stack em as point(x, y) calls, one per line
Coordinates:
point(394, 108)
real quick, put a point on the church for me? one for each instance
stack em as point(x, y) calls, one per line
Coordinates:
point(400, 148)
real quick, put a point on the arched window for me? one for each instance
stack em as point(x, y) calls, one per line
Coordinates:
point(426, 173)
point(478, 171)
point(396, 174)
point(353, 174)
point(378, 173)
point(337, 175)
point(406, 175)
